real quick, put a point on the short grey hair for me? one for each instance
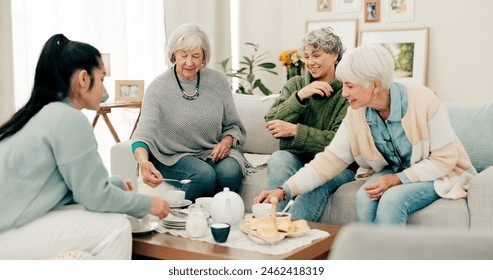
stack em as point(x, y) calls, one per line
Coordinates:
point(325, 40)
point(366, 64)
point(187, 37)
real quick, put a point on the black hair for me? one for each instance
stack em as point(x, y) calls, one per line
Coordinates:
point(60, 58)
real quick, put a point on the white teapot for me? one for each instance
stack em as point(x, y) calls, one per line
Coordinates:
point(227, 207)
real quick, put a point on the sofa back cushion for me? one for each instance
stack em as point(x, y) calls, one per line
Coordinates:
point(252, 109)
point(473, 125)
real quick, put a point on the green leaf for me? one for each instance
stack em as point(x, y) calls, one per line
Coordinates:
point(263, 88)
point(250, 78)
point(268, 65)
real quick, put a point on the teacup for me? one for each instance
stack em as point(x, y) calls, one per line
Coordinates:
point(139, 224)
point(174, 197)
point(204, 203)
point(220, 232)
point(282, 216)
point(261, 210)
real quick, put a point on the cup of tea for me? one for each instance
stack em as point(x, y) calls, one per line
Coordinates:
point(261, 210)
point(139, 224)
point(220, 232)
point(204, 203)
point(174, 197)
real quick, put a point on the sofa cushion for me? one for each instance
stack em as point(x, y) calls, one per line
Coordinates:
point(252, 109)
point(252, 185)
point(472, 124)
point(443, 213)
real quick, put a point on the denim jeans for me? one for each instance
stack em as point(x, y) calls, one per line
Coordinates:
point(208, 178)
point(396, 204)
point(309, 206)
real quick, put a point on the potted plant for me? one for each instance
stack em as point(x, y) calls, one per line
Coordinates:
point(249, 67)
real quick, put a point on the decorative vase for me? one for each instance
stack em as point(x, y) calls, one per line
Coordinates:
point(293, 71)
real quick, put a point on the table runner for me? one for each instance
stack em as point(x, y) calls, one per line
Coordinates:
point(238, 239)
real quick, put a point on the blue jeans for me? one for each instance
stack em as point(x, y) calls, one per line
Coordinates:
point(208, 178)
point(396, 204)
point(309, 206)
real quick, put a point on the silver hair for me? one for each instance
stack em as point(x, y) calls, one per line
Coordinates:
point(187, 37)
point(325, 40)
point(366, 64)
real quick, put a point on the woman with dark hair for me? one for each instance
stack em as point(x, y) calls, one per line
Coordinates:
point(54, 186)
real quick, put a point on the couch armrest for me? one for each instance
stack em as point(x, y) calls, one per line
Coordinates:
point(480, 199)
point(123, 162)
point(381, 242)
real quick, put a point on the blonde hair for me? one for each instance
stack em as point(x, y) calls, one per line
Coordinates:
point(187, 37)
point(366, 64)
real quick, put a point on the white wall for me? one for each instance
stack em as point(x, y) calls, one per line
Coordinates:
point(7, 69)
point(460, 54)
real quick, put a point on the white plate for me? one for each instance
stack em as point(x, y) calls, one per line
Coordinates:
point(150, 227)
point(184, 203)
point(297, 233)
point(259, 240)
point(173, 226)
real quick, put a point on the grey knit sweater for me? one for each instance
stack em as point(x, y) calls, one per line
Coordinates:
point(174, 127)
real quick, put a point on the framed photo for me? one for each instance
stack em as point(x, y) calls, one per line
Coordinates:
point(409, 48)
point(345, 29)
point(324, 5)
point(347, 6)
point(129, 90)
point(372, 10)
point(400, 10)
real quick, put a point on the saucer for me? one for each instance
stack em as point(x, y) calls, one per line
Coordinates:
point(150, 227)
point(184, 203)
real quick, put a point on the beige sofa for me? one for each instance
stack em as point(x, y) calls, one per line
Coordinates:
point(473, 126)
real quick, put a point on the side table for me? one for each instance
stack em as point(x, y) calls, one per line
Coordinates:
point(105, 109)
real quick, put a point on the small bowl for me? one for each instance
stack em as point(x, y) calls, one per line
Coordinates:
point(220, 232)
point(281, 216)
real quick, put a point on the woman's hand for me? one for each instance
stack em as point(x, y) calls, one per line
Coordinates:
point(128, 186)
point(265, 196)
point(222, 149)
point(377, 188)
point(150, 175)
point(321, 88)
point(159, 207)
point(280, 128)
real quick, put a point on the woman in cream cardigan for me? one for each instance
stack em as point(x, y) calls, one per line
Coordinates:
point(399, 135)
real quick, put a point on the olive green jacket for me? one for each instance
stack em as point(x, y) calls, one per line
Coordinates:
point(317, 120)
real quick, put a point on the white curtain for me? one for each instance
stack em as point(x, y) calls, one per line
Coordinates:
point(6, 64)
point(213, 16)
point(131, 31)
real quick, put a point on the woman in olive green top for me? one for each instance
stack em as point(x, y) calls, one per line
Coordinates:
point(305, 118)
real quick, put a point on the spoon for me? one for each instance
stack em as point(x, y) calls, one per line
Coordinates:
point(183, 182)
point(288, 206)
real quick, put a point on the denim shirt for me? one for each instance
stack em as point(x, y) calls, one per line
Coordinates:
point(389, 136)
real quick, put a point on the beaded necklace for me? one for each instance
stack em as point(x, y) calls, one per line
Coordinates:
point(187, 95)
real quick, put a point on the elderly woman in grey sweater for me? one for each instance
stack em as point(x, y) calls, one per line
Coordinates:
point(189, 127)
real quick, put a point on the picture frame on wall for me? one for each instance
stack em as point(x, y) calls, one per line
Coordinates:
point(345, 29)
point(129, 90)
point(324, 5)
point(409, 48)
point(347, 6)
point(399, 10)
point(372, 10)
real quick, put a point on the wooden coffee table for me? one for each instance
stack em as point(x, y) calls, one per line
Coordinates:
point(166, 246)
